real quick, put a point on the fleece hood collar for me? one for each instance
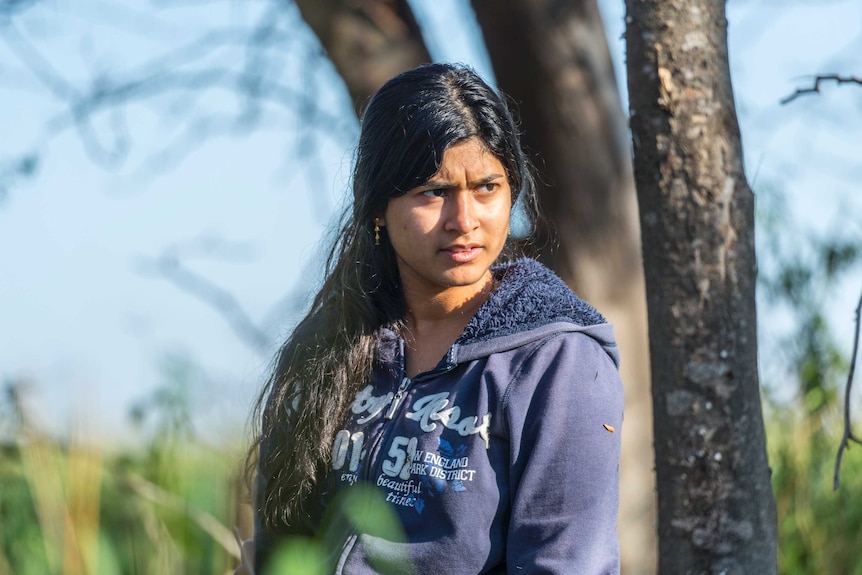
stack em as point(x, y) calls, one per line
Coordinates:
point(530, 303)
point(528, 295)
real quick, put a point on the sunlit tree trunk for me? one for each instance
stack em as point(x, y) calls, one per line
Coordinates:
point(716, 511)
point(552, 59)
point(368, 41)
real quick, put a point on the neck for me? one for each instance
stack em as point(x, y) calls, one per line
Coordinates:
point(450, 307)
point(434, 321)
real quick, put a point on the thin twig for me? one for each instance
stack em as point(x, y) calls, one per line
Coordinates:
point(815, 89)
point(187, 70)
point(169, 267)
point(38, 65)
point(848, 433)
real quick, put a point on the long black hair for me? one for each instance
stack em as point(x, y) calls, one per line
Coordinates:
point(405, 129)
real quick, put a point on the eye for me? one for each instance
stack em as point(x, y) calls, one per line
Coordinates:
point(434, 193)
point(489, 187)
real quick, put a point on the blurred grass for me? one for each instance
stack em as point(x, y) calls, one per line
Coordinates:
point(818, 527)
point(73, 509)
point(66, 510)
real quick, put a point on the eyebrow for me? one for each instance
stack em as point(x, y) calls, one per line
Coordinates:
point(445, 185)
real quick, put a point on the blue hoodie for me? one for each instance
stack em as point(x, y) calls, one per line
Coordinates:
point(502, 459)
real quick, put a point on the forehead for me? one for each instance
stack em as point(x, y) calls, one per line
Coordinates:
point(471, 156)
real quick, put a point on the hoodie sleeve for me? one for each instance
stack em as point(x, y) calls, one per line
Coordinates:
point(565, 409)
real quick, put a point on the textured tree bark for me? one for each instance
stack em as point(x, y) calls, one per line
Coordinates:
point(552, 59)
point(368, 41)
point(716, 510)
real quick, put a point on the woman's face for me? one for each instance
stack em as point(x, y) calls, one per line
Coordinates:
point(448, 232)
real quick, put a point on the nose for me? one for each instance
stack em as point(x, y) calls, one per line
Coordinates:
point(461, 216)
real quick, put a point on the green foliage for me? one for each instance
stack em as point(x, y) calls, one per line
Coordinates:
point(818, 527)
point(299, 555)
point(73, 509)
point(127, 524)
point(804, 372)
point(799, 275)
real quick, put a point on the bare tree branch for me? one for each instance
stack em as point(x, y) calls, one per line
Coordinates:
point(111, 98)
point(815, 89)
point(254, 334)
point(169, 266)
point(16, 169)
point(9, 8)
point(246, 61)
point(848, 433)
point(38, 65)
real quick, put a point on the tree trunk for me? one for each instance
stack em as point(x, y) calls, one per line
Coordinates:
point(552, 59)
point(368, 41)
point(716, 511)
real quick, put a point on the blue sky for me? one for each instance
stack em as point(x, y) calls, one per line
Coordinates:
point(82, 315)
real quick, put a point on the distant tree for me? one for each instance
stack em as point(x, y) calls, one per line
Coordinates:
point(716, 509)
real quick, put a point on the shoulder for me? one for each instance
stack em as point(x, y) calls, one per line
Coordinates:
point(572, 356)
point(574, 350)
point(567, 398)
point(569, 373)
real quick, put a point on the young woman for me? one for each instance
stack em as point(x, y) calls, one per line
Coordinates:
point(476, 393)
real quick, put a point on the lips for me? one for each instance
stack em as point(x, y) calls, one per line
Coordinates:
point(462, 253)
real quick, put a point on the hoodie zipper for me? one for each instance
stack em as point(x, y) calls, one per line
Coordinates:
point(396, 399)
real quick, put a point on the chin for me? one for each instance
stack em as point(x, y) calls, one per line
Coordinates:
point(464, 276)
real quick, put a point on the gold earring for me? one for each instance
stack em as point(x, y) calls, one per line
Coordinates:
point(376, 233)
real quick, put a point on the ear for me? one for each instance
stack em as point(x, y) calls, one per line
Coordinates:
point(380, 221)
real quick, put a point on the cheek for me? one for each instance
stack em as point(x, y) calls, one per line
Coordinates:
point(418, 222)
point(407, 231)
point(503, 220)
